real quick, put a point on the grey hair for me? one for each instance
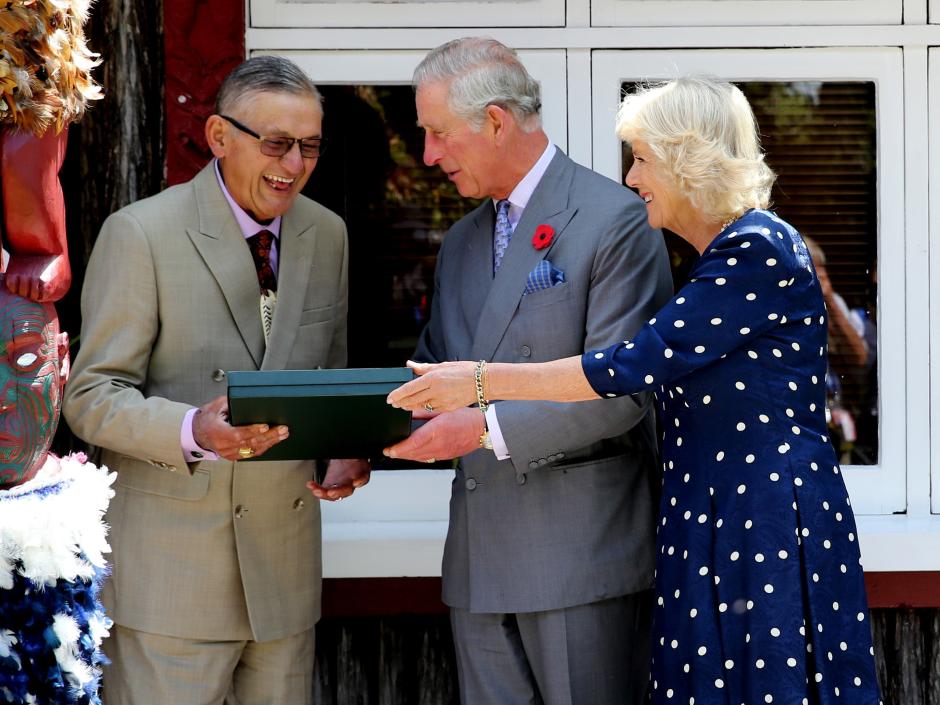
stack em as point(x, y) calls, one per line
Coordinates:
point(482, 72)
point(703, 134)
point(259, 74)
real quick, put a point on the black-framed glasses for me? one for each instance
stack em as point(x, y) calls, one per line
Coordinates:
point(310, 147)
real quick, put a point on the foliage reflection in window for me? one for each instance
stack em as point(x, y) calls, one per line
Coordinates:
point(397, 211)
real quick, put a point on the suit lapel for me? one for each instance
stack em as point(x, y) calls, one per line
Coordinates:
point(548, 205)
point(221, 245)
point(474, 278)
point(295, 259)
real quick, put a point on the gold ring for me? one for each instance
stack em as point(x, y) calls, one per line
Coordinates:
point(428, 406)
point(246, 452)
point(430, 460)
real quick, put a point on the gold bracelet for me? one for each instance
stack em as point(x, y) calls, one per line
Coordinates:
point(479, 376)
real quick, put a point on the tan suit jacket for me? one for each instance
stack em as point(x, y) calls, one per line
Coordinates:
point(213, 550)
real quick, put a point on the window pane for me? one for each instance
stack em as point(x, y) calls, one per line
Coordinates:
point(397, 211)
point(820, 140)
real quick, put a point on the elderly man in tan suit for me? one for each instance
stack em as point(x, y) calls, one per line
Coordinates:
point(216, 563)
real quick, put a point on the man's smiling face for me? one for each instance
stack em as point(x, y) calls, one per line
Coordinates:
point(264, 186)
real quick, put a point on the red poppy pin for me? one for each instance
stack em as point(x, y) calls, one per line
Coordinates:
point(544, 234)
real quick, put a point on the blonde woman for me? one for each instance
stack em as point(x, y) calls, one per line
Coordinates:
point(759, 584)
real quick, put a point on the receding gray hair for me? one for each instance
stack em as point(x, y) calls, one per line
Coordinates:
point(482, 72)
point(264, 74)
point(702, 132)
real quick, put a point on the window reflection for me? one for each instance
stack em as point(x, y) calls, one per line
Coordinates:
point(820, 140)
point(397, 211)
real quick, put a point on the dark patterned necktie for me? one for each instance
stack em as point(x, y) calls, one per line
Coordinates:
point(260, 246)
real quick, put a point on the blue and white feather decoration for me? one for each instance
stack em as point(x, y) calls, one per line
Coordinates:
point(52, 546)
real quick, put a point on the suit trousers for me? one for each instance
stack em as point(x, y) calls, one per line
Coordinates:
point(152, 669)
point(593, 654)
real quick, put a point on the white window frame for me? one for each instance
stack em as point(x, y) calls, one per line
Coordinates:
point(933, 140)
point(880, 489)
point(731, 13)
point(396, 525)
point(406, 13)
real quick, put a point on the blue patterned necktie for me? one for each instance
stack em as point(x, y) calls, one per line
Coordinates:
point(501, 233)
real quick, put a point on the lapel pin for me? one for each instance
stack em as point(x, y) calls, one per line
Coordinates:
point(544, 234)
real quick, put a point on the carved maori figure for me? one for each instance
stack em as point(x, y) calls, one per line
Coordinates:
point(45, 84)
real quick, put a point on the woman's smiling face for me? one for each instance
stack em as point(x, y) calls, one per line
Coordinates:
point(665, 206)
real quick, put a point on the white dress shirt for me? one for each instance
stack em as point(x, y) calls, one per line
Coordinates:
point(518, 200)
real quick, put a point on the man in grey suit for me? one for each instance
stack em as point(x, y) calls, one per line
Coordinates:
point(216, 564)
point(549, 553)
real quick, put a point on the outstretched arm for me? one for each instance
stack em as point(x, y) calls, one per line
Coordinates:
point(452, 385)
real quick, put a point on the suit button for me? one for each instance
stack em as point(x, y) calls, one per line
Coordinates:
point(526, 351)
point(533, 465)
point(520, 479)
point(471, 484)
point(218, 375)
point(240, 511)
point(552, 458)
point(298, 503)
point(560, 456)
point(543, 461)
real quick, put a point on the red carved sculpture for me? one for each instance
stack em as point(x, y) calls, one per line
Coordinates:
point(34, 214)
point(195, 67)
point(44, 85)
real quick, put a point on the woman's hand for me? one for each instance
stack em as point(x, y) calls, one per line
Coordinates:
point(442, 387)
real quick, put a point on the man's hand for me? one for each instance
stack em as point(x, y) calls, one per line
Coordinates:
point(343, 477)
point(212, 431)
point(448, 435)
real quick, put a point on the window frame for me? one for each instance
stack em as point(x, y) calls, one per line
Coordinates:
point(704, 13)
point(933, 180)
point(396, 525)
point(880, 489)
point(406, 13)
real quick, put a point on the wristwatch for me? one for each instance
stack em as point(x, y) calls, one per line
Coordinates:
point(485, 440)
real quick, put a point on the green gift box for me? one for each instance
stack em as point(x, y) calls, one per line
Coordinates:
point(330, 413)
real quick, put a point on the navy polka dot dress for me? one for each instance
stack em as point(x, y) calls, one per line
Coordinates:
point(760, 597)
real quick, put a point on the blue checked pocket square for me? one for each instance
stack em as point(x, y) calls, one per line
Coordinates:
point(544, 276)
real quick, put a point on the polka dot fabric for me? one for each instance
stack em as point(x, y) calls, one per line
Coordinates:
point(760, 596)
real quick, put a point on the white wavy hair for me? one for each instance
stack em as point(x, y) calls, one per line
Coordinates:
point(703, 135)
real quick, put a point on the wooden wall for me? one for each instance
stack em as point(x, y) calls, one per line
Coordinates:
point(408, 659)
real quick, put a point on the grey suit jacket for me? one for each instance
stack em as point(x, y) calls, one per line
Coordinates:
point(213, 550)
point(569, 519)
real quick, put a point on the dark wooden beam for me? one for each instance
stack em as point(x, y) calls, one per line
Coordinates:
point(361, 597)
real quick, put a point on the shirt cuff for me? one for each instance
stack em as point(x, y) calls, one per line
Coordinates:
point(192, 451)
point(496, 436)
